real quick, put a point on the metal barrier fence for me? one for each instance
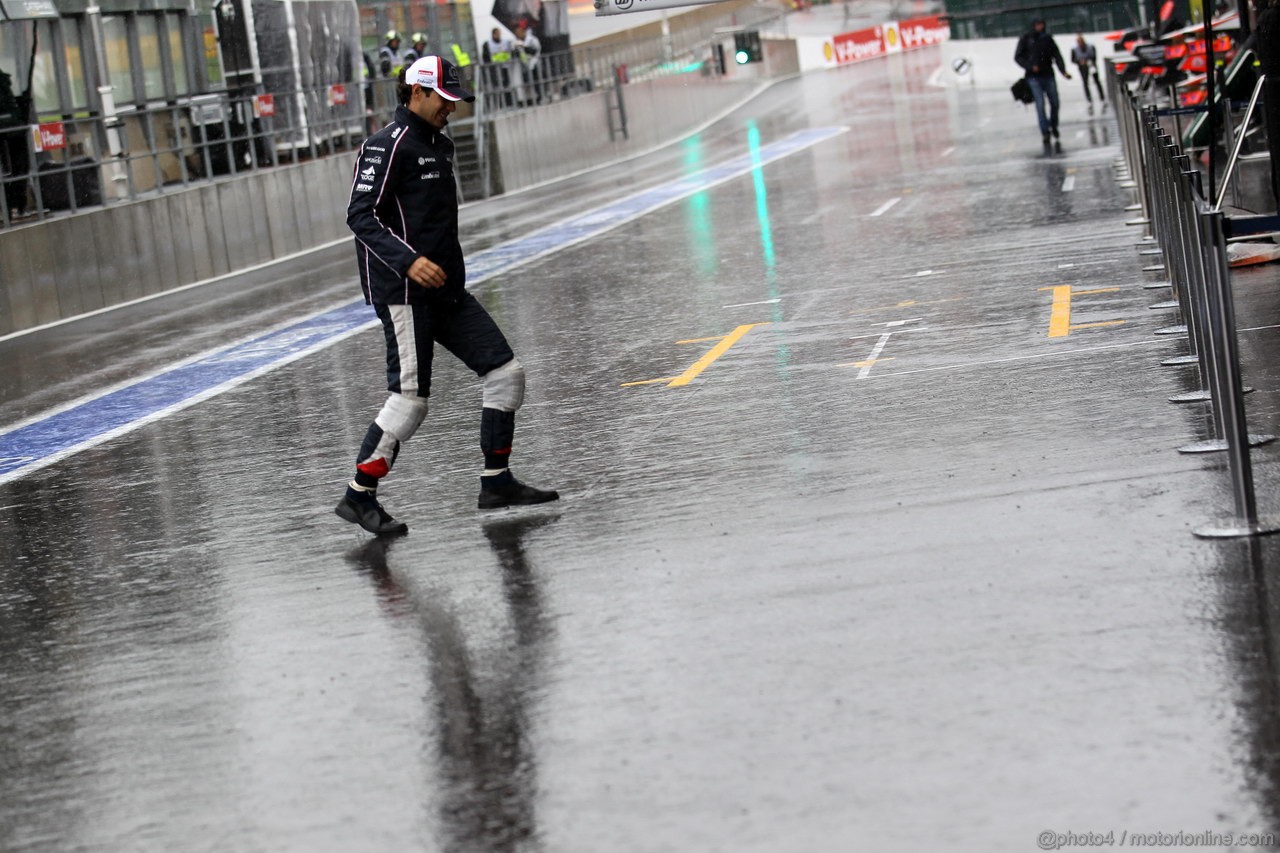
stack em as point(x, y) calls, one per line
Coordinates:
point(1190, 234)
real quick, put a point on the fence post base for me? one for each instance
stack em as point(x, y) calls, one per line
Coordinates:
point(1217, 445)
point(1234, 528)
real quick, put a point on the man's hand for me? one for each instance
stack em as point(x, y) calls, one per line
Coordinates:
point(425, 273)
point(1065, 74)
point(1035, 69)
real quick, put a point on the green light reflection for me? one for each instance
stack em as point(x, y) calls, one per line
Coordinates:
point(698, 214)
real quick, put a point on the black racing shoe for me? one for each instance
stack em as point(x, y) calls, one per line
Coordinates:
point(362, 508)
point(505, 490)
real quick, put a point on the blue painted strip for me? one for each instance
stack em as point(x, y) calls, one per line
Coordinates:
point(34, 445)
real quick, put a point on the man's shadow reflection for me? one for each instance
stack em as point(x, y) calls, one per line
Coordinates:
point(489, 784)
point(1099, 135)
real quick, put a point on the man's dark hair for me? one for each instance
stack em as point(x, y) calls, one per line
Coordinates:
point(404, 91)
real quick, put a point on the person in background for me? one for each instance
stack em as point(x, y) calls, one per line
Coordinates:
point(15, 160)
point(528, 50)
point(390, 57)
point(418, 50)
point(1037, 53)
point(1085, 57)
point(496, 56)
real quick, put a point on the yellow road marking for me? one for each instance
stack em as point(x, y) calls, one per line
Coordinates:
point(1060, 316)
point(1096, 325)
point(725, 342)
point(646, 382)
point(871, 362)
point(905, 304)
point(712, 354)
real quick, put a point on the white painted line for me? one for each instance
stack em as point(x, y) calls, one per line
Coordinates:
point(948, 152)
point(1068, 183)
point(924, 273)
point(1065, 266)
point(765, 302)
point(875, 353)
point(894, 323)
point(885, 207)
point(895, 331)
point(1053, 354)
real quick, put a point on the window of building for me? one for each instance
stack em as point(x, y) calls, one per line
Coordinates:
point(115, 30)
point(44, 72)
point(149, 51)
point(74, 62)
point(178, 53)
point(212, 61)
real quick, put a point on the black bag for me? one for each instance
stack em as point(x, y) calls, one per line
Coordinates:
point(1022, 91)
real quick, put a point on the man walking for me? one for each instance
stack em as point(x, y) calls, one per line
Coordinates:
point(1037, 53)
point(404, 213)
point(1085, 57)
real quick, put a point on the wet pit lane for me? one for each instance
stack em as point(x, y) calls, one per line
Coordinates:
point(873, 535)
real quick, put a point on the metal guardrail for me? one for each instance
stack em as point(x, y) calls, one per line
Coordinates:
point(1190, 234)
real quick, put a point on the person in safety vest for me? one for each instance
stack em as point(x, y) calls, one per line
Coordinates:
point(496, 54)
point(417, 51)
point(390, 57)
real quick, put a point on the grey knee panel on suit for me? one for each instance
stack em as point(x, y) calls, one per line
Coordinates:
point(401, 415)
point(504, 387)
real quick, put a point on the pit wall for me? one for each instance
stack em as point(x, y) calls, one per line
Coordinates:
point(566, 136)
point(70, 266)
point(64, 267)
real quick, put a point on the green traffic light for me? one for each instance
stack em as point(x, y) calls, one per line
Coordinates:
point(742, 57)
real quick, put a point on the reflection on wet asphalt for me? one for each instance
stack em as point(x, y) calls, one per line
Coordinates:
point(480, 697)
point(895, 569)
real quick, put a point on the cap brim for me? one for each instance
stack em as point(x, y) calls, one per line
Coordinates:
point(458, 94)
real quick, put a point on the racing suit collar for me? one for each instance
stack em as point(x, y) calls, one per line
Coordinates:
point(416, 125)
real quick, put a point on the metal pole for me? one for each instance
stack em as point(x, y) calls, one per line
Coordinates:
point(1239, 143)
point(110, 121)
point(1222, 313)
point(1211, 80)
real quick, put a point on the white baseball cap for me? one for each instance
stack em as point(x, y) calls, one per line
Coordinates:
point(432, 72)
